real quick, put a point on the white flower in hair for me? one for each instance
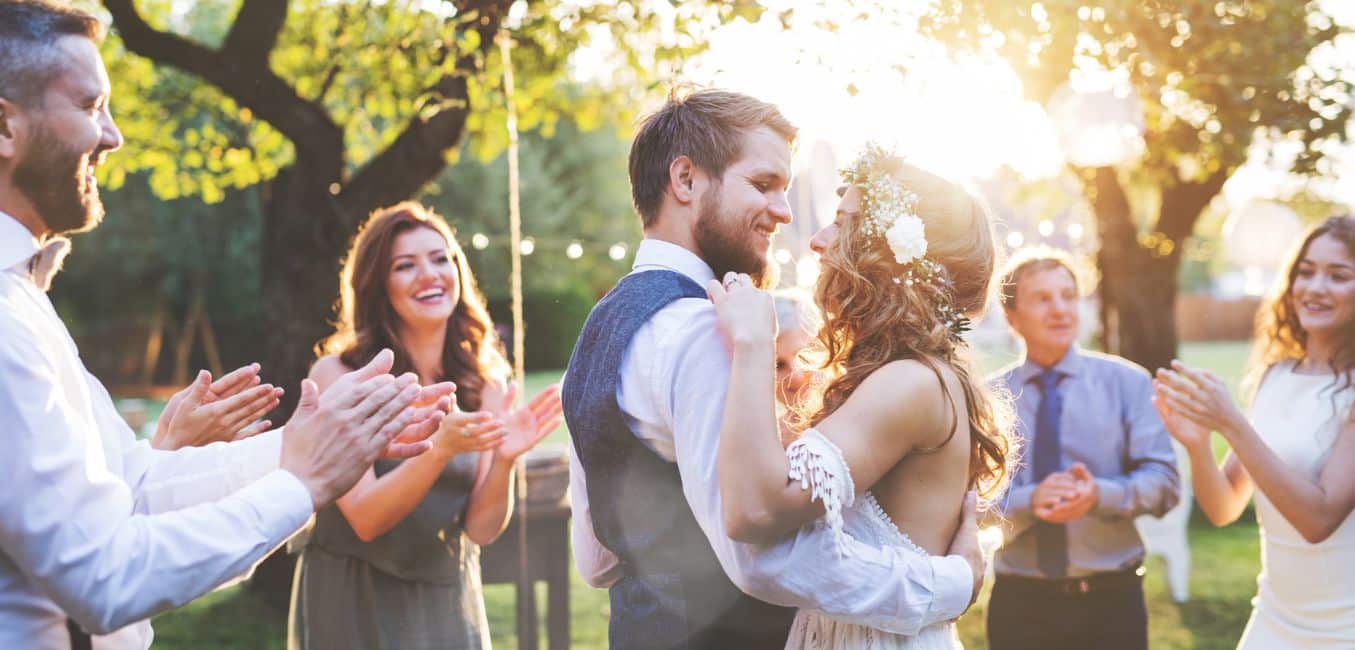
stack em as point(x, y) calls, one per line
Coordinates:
point(907, 238)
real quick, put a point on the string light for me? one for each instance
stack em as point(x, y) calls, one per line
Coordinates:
point(1046, 227)
point(783, 256)
point(1015, 239)
point(617, 252)
point(479, 241)
point(1075, 232)
point(574, 251)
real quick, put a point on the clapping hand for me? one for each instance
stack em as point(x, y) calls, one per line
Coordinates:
point(224, 410)
point(429, 409)
point(1065, 496)
point(747, 314)
point(460, 432)
point(1195, 402)
point(527, 425)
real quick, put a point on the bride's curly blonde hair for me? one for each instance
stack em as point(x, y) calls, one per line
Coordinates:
point(871, 320)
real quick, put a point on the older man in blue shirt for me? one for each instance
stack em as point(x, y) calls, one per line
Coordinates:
point(1096, 455)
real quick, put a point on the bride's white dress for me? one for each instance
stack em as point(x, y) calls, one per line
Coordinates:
point(819, 465)
point(1306, 592)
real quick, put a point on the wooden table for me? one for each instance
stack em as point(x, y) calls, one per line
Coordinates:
point(547, 555)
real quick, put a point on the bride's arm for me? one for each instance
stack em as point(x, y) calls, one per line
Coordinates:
point(897, 407)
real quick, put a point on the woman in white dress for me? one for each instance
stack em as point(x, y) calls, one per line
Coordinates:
point(1297, 450)
point(902, 428)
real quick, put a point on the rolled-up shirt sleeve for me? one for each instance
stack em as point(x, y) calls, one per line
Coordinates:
point(75, 530)
point(892, 588)
point(597, 566)
point(1151, 484)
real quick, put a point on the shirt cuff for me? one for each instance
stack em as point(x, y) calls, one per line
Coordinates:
point(1111, 495)
point(283, 504)
point(1017, 501)
point(954, 584)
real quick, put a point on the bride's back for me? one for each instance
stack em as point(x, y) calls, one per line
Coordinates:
point(924, 492)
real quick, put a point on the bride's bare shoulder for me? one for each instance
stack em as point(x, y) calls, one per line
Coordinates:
point(908, 393)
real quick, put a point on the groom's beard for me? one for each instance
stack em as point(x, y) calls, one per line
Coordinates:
point(726, 244)
point(53, 179)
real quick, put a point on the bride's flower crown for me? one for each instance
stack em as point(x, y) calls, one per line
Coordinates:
point(889, 210)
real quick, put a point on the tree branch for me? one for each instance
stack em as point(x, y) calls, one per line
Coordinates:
point(1182, 203)
point(418, 154)
point(255, 32)
point(309, 127)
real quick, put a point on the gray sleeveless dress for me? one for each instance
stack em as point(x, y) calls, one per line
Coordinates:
point(417, 586)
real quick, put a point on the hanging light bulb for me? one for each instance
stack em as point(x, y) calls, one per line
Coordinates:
point(574, 251)
point(479, 241)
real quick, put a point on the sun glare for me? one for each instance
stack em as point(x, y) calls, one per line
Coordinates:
point(876, 80)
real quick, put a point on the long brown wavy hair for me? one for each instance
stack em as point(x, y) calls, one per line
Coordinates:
point(367, 322)
point(1279, 335)
point(869, 320)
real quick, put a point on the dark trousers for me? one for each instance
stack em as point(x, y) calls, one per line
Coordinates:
point(1025, 616)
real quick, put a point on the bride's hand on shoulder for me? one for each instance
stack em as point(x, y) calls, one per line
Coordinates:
point(747, 314)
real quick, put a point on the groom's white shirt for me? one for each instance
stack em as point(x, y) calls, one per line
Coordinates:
point(674, 375)
point(94, 524)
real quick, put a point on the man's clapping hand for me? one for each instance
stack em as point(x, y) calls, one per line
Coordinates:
point(1065, 496)
point(333, 438)
point(206, 411)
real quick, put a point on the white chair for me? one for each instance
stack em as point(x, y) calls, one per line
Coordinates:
point(1166, 536)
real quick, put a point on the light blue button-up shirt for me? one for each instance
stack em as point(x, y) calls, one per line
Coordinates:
point(1108, 424)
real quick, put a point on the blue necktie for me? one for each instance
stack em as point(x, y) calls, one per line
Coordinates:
point(1051, 539)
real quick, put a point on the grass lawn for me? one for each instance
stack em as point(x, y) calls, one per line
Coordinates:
point(1223, 579)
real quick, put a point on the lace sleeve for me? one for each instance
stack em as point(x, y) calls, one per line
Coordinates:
point(818, 465)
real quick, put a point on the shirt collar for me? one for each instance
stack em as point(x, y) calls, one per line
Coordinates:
point(656, 253)
point(1070, 365)
point(17, 243)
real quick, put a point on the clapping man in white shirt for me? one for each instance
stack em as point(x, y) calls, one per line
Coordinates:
point(99, 531)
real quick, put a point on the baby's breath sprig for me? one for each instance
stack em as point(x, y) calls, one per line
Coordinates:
point(889, 210)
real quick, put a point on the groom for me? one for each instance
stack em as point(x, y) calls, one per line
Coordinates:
point(644, 395)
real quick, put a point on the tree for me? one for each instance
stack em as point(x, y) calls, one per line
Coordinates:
point(336, 108)
point(1212, 77)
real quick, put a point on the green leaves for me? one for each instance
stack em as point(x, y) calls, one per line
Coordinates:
point(375, 67)
point(1208, 74)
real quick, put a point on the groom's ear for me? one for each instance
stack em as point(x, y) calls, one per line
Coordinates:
point(682, 179)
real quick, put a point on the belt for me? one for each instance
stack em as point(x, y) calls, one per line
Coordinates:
point(1096, 583)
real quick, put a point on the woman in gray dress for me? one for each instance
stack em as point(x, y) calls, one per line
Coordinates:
point(395, 563)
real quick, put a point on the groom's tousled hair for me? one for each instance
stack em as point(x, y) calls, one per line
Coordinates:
point(705, 125)
point(29, 56)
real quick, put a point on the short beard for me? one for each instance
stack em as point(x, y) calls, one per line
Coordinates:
point(45, 177)
point(723, 244)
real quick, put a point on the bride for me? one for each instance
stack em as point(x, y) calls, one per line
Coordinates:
point(903, 428)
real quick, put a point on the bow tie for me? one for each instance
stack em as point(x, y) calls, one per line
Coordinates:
point(44, 264)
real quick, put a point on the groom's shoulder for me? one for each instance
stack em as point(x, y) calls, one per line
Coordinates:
point(685, 318)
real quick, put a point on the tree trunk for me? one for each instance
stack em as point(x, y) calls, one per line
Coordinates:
point(305, 234)
point(1138, 302)
point(1138, 278)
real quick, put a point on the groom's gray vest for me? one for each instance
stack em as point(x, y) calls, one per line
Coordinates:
point(672, 592)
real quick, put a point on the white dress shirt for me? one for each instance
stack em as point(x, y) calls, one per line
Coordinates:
point(94, 524)
point(674, 375)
